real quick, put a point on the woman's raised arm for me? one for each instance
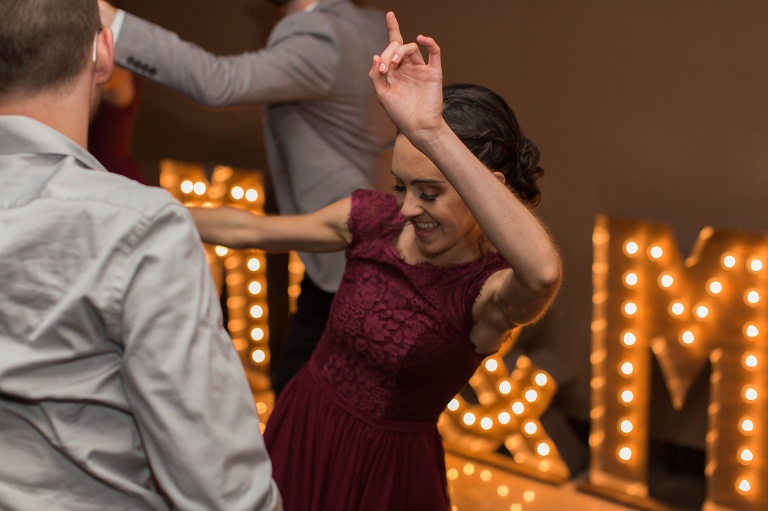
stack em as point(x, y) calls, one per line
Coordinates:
point(410, 89)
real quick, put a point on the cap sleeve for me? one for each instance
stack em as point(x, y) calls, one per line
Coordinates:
point(374, 216)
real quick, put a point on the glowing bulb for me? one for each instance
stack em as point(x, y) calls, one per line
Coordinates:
point(531, 395)
point(715, 287)
point(543, 449)
point(452, 474)
point(629, 339)
point(747, 425)
point(729, 261)
point(746, 456)
point(504, 418)
point(258, 356)
point(257, 334)
point(518, 408)
point(631, 248)
point(187, 186)
point(752, 297)
point(257, 311)
point(505, 387)
point(702, 311)
point(486, 423)
point(626, 426)
point(627, 368)
point(502, 490)
point(254, 288)
point(469, 418)
point(627, 396)
point(625, 453)
point(468, 469)
point(750, 361)
point(486, 475)
point(630, 279)
point(453, 405)
point(237, 192)
point(251, 195)
point(677, 308)
point(687, 337)
point(530, 428)
point(540, 379)
point(666, 280)
point(630, 308)
point(750, 394)
point(744, 486)
point(491, 365)
point(751, 330)
point(199, 188)
point(656, 252)
point(254, 264)
point(755, 265)
point(221, 251)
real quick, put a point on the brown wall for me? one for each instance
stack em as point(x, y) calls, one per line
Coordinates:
point(652, 109)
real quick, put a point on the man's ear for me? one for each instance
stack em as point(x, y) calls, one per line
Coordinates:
point(105, 56)
point(500, 177)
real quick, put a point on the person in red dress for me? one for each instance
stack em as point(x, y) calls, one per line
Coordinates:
point(110, 134)
point(437, 273)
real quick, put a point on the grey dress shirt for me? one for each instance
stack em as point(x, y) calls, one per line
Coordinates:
point(119, 388)
point(325, 133)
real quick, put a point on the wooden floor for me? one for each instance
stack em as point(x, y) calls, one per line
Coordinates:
point(478, 487)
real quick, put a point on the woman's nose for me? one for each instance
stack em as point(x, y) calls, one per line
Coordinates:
point(410, 206)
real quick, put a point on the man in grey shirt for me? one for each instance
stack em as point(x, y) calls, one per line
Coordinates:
point(119, 388)
point(325, 133)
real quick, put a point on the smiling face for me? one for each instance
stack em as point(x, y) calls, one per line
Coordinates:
point(441, 229)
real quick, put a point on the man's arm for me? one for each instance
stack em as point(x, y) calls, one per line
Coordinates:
point(300, 63)
point(183, 378)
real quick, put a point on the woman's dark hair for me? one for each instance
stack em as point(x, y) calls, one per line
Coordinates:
point(488, 127)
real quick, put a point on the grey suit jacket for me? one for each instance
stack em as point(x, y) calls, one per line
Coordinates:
point(324, 131)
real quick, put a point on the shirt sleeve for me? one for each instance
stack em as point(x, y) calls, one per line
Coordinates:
point(299, 64)
point(184, 380)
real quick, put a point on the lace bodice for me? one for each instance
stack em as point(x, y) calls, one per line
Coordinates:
point(396, 345)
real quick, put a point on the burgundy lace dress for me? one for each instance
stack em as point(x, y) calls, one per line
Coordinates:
point(356, 428)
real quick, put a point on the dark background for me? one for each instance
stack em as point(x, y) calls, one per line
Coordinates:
point(652, 110)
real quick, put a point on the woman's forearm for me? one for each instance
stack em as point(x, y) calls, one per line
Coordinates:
point(224, 226)
point(508, 223)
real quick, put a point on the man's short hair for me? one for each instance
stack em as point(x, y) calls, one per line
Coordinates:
point(279, 3)
point(45, 44)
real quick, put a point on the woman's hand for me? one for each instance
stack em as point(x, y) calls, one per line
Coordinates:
point(410, 89)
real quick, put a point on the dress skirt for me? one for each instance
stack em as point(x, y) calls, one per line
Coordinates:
point(329, 456)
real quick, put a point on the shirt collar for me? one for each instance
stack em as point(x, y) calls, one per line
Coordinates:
point(19, 134)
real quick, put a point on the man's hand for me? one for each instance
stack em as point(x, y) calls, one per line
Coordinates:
point(107, 12)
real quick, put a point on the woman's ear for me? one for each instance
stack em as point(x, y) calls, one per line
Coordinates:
point(500, 177)
point(104, 56)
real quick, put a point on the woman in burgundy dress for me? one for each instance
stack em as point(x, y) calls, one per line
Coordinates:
point(437, 273)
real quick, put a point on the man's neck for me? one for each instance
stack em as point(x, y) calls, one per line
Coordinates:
point(64, 113)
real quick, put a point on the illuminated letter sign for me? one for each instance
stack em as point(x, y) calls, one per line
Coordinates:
point(243, 272)
point(710, 307)
point(508, 412)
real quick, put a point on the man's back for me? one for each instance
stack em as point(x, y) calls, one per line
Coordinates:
point(119, 389)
